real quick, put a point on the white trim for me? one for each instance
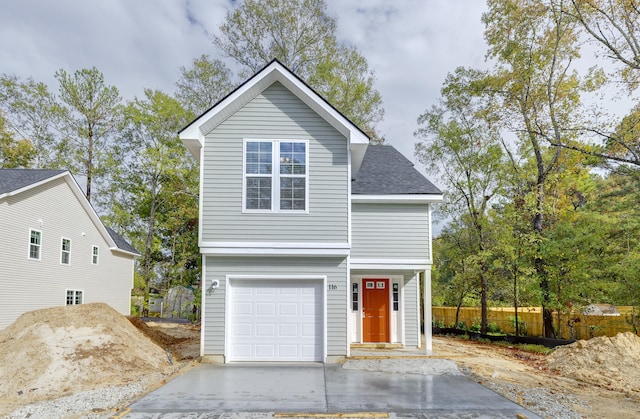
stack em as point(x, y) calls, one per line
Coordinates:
point(97, 255)
point(33, 185)
point(389, 261)
point(273, 245)
point(261, 251)
point(75, 290)
point(349, 240)
point(203, 299)
point(275, 176)
point(358, 278)
point(420, 312)
point(349, 305)
point(62, 239)
point(428, 340)
point(193, 134)
point(249, 277)
point(274, 249)
point(39, 245)
point(82, 199)
point(399, 198)
point(430, 242)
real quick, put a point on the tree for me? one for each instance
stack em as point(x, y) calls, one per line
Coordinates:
point(537, 93)
point(14, 153)
point(615, 26)
point(32, 112)
point(301, 35)
point(154, 195)
point(203, 84)
point(92, 112)
point(463, 150)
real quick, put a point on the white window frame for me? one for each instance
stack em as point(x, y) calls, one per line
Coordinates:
point(38, 246)
point(95, 255)
point(74, 297)
point(65, 252)
point(275, 176)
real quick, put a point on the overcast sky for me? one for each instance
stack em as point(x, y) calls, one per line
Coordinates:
point(410, 44)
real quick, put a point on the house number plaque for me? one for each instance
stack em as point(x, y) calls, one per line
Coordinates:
point(332, 287)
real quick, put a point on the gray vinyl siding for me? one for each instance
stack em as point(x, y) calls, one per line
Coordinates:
point(335, 269)
point(411, 316)
point(390, 231)
point(275, 114)
point(26, 284)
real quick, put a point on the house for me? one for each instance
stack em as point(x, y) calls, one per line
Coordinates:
point(55, 249)
point(312, 240)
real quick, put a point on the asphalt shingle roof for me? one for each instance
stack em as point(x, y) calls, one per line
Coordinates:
point(121, 242)
point(14, 179)
point(385, 171)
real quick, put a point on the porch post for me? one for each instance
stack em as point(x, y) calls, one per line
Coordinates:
point(427, 311)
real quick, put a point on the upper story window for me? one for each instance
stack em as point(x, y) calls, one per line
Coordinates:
point(275, 175)
point(94, 255)
point(65, 251)
point(35, 239)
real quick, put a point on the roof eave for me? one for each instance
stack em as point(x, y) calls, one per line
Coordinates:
point(193, 134)
point(397, 198)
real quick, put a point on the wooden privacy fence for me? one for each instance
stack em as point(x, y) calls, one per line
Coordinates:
point(569, 325)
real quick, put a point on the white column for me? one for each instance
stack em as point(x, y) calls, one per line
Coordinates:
point(427, 311)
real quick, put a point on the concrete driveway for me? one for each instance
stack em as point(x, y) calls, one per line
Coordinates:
point(319, 390)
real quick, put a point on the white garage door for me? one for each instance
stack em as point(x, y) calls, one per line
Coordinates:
point(275, 320)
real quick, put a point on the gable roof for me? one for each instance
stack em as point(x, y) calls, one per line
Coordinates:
point(193, 134)
point(12, 180)
point(16, 181)
point(385, 171)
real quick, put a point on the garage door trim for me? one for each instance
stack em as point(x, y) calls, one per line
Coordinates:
point(230, 279)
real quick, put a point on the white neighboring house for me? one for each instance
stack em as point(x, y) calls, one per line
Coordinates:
point(54, 250)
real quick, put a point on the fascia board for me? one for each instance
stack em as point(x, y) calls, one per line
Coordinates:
point(91, 212)
point(34, 185)
point(253, 87)
point(399, 199)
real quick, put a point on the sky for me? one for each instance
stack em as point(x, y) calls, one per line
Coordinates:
point(410, 45)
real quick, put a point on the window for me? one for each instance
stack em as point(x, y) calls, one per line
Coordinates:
point(35, 240)
point(65, 252)
point(275, 175)
point(74, 297)
point(94, 255)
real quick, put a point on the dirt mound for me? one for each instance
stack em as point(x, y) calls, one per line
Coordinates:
point(607, 362)
point(60, 351)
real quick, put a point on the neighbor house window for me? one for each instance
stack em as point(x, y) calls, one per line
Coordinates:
point(74, 297)
point(94, 255)
point(35, 240)
point(65, 251)
point(275, 175)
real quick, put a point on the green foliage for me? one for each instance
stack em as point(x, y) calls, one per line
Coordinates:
point(91, 115)
point(32, 114)
point(301, 35)
point(14, 153)
point(203, 84)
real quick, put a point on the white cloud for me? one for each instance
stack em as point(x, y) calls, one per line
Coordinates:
point(410, 44)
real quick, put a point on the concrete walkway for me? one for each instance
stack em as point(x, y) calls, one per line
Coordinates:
point(276, 390)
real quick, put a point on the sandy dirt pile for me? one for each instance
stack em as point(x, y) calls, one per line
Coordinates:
point(60, 351)
point(608, 362)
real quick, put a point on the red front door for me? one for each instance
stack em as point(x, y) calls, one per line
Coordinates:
point(375, 308)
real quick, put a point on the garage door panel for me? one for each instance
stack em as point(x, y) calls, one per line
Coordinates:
point(284, 321)
point(288, 330)
point(288, 309)
point(266, 309)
